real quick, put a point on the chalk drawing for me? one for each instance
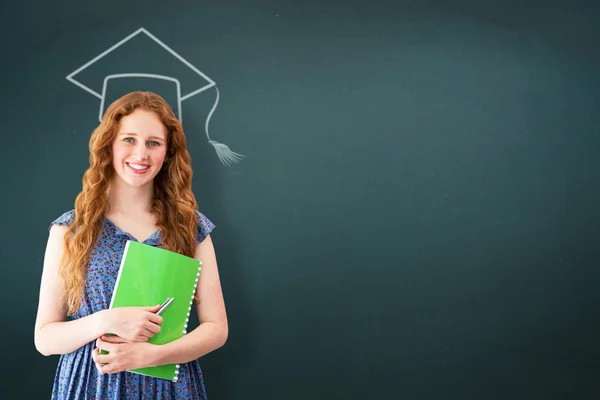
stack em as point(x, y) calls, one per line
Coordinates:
point(226, 155)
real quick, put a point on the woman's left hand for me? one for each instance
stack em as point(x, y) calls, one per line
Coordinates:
point(123, 354)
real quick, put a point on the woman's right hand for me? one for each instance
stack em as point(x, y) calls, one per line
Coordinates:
point(136, 324)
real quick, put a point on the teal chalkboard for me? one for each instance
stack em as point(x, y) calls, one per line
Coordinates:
point(405, 193)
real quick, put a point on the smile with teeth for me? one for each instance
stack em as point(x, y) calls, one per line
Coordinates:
point(138, 167)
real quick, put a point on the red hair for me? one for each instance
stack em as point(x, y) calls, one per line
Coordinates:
point(173, 202)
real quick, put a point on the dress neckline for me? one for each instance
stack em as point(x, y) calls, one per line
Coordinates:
point(119, 231)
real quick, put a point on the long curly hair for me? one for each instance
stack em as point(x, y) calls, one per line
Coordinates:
point(174, 204)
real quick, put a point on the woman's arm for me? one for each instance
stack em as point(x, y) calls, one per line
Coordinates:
point(213, 330)
point(53, 335)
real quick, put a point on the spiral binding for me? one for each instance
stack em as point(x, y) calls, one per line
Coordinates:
point(188, 315)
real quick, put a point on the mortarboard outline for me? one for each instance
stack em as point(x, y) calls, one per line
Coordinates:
point(226, 156)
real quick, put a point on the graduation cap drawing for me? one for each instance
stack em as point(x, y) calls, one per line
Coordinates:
point(137, 63)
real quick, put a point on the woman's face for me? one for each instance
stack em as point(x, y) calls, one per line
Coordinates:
point(140, 147)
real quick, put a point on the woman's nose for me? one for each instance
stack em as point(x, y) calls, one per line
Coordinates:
point(140, 152)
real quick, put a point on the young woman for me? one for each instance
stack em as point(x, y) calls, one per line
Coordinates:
point(138, 187)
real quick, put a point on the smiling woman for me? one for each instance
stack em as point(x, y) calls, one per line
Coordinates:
point(139, 150)
point(138, 187)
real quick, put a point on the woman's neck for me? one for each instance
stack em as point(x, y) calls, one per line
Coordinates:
point(126, 199)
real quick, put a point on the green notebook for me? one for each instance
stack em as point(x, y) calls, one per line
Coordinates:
point(147, 276)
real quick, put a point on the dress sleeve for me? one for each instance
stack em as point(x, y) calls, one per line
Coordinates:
point(66, 219)
point(205, 227)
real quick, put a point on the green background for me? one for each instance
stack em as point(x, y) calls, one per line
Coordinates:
point(416, 215)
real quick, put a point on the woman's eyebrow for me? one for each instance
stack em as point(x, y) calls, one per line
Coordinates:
point(135, 134)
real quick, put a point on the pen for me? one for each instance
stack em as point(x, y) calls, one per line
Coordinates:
point(165, 304)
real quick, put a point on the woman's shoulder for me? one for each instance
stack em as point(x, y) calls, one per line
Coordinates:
point(205, 227)
point(65, 218)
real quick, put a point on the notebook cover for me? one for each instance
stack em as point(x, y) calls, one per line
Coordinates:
point(147, 276)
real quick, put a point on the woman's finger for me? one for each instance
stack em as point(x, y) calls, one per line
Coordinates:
point(100, 358)
point(108, 368)
point(152, 327)
point(149, 333)
point(106, 346)
point(144, 336)
point(103, 368)
point(114, 339)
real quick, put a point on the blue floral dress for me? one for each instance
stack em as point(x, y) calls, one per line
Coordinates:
point(76, 374)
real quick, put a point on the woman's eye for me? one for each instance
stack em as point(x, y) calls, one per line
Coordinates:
point(154, 144)
point(128, 140)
